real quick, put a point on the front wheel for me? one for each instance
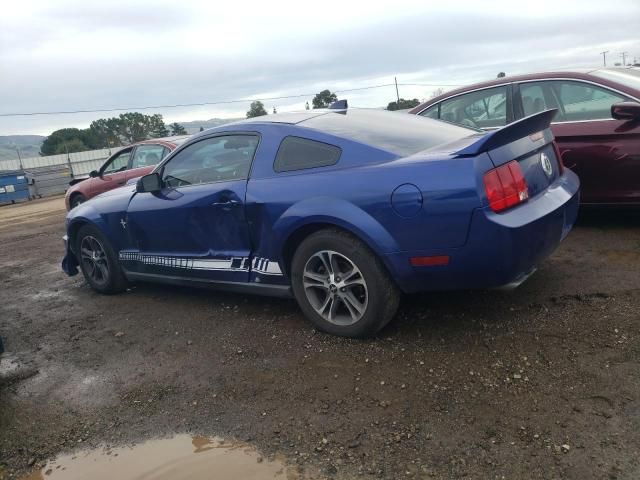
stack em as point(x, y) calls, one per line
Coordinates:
point(342, 286)
point(98, 261)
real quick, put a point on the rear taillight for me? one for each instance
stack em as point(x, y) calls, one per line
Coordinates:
point(505, 186)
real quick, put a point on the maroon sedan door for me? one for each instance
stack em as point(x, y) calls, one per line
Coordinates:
point(603, 152)
point(113, 173)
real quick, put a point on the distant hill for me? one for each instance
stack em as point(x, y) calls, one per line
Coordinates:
point(29, 146)
point(194, 127)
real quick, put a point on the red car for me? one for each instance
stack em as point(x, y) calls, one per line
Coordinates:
point(129, 162)
point(597, 126)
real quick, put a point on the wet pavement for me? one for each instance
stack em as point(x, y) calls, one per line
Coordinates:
point(541, 382)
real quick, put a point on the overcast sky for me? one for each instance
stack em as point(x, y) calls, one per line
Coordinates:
point(79, 55)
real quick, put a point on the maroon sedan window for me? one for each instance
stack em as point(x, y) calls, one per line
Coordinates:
point(533, 98)
point(575, 100)
point(584, 101)
point(147, 155)
point(118, 163)
point(480, 109)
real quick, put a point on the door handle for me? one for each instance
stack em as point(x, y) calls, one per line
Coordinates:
point(228, 202)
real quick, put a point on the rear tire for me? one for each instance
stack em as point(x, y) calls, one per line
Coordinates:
point(342, 286)
point(98, 261)
point(77, 199)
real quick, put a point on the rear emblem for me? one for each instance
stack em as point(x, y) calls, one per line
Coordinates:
point(546, 164)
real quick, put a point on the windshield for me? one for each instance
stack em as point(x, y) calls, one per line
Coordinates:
point(629, 77)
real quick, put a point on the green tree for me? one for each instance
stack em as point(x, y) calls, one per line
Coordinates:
point(256, 109)
point(324, 99)
point(71, 146)
point(177, 129)
point(127, 128)
point(105, 131)
point(124, 129)
point(55, 142)
point(403, 104)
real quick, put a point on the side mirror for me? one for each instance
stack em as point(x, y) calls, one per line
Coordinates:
point(626, 111)
point(94, 174)
point(149, 183)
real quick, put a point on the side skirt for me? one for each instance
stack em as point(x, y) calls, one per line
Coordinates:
point(283, 291)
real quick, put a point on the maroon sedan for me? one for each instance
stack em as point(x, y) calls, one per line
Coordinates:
point(129, 162)
point(597, 126)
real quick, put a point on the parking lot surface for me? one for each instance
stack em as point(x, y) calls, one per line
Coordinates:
point(541, 382)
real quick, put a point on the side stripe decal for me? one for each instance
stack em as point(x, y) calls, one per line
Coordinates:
point(263, 266)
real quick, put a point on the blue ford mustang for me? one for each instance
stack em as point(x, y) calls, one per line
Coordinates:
point(342, 208)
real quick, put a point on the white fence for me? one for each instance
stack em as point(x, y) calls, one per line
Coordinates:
point(80, 163)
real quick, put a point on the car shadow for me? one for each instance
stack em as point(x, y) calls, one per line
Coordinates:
point(613, 217)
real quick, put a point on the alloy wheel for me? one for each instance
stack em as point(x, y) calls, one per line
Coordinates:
point(94, 260)
point(335, 287)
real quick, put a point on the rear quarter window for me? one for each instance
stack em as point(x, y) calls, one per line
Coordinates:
point(296, 153)
point(398, 133)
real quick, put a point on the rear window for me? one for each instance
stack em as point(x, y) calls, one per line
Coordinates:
point(297, 153)
point(398, 133)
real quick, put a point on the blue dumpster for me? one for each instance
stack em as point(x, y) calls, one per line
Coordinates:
point(13, 186)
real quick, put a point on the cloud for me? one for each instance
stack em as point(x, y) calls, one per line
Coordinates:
point(77, 56)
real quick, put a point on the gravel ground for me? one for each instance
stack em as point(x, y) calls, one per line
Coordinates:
point(541, 382)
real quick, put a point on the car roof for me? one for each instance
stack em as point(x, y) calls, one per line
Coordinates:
point(173, 141)
point(291, 118)
point(579, 74)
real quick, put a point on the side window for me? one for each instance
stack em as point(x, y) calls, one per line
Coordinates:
point(482, 109)
point(584, 101)
point(147, 155)
point(118, 163)
point(533, 100)
point(297, 153)
point(431, 112)
point(214, 159)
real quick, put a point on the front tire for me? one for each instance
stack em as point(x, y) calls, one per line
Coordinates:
point(342, 286)
point(98, 261)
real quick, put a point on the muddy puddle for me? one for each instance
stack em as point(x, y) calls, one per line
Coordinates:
point(179, 458)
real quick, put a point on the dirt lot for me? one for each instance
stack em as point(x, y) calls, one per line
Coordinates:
point(542, 382)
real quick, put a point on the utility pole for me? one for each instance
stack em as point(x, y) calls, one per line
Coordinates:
point(397, 94)
point(19, 158)
point(604, 57)
point(624, 58)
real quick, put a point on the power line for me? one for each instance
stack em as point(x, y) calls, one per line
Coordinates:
point(430, 85)
point(217, 102)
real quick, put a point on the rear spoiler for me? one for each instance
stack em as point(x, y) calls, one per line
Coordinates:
point(510, 133)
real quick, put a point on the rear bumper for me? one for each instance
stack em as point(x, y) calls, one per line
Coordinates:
point(502, 250)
